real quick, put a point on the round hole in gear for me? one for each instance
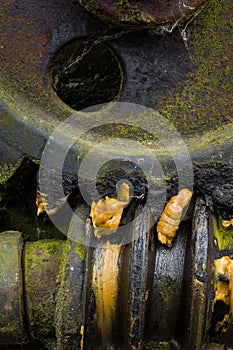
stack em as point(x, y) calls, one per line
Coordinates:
point(85, 74)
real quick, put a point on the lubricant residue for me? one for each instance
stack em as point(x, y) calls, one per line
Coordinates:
point(82, 336)
point(105, 287)
point(227, 223)
point(106, 215)
point(223, 291)
point(170, 219)
point(41, 202)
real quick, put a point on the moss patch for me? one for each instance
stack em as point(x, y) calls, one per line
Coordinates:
point(162, 345)
point(204, 101)
point(11, 287)
point(80, 250)
point(223, 236)
point(42, 264)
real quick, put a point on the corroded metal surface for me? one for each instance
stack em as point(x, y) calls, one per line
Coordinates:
point(163, 72)
point(142, 13)
point(190, 82)
point(141, 258)
point(165, 299)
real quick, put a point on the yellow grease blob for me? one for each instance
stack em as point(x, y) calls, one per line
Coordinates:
point(41, 202)
point(105, 287)
point(224, 288)
point(227, 223)
point(106, 215)
point(170, 218)
point(82, 336)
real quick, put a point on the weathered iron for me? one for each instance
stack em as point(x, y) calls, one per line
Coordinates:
point(160, 72)
point(186, 76)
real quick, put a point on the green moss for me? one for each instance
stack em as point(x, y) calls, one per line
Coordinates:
point(10, 327)
point(213, 346)
point(73, 235)
point(7, 169)
point(47, 246)
point(131, 13)
point(80, 250)
point(204, 100)
point(42, 264)
point(11, 291)
point(162, 345)
point(64, 264)
point(223, 236)
point(5, 172)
